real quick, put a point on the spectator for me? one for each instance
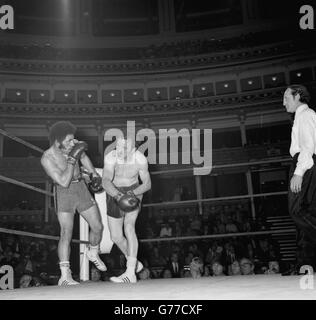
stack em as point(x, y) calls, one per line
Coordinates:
point(166, 273)
point(174, 265)
point(246, 267)
point(166, 230)
point(217, 269)
point(155, 259)
point(206, 271)
point(234, 269)
point(25, 281)
point(196, 267)
point(274, 267)
point(144, 274)
point(95, 274)
point(230, 226)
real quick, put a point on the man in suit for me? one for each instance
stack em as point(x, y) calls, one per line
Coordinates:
point(174, 265)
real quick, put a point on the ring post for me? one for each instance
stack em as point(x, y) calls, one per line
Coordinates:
point(84, 262)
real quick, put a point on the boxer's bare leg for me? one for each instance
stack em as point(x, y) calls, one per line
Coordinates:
point(92, 216)
point(116, 233)
point(66, 220)
point(129, 229)
point(117, 236)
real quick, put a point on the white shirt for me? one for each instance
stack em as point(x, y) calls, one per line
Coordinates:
point(303, 138)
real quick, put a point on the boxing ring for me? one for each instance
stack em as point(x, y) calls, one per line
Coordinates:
point(254, 287)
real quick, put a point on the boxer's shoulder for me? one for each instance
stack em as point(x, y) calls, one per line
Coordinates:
point(47, 156)
point(111, 157)
point(140, 158)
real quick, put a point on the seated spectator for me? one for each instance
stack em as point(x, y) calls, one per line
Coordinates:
point(234, 269)
point(274, 267)
point(144, 274)
point(186, 274)
point(196, 267)
point(217, 269)
point(166, 231)
point(230, 226)
point(166, 273)
point(246, 267)
point(174, 265)
point(156, 259)
point(25, 281)
point(95, 274)
point(188, 258)
point(206, 271)
point(37, 282)
point(196, 225)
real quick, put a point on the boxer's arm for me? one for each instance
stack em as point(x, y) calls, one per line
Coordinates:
point(108, 175)
point(87, 164)
point(63, 178)
point(143, 174)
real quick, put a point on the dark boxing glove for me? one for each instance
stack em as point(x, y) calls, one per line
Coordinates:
point(128, 202)
point(95, 184)
point(76, 152)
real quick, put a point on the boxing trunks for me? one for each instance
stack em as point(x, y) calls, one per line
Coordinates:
point(75, 197)
point(112, 208)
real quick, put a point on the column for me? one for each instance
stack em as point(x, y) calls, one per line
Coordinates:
point(248, 173)
point(250, 10)
point(166, 16)
point(100, 140)
point(198, 186)
point(48, 188)
point(1, 141)
point(84, 13)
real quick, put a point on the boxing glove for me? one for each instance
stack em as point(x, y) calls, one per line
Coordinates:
point(76, 152)
point(128, 202)
point(95, 184)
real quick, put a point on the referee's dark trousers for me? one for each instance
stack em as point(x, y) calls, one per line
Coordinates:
point(302, 209)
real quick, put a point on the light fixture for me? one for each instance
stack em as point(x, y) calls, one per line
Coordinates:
point(180, 90)
point(299, 74)
point(18, 93)
point(135, 93)
point(66, 95)
point(158, 92)
point(250, 82)
point(90, 95)
point(274, 78)
point(112, 94)
point(226, 85)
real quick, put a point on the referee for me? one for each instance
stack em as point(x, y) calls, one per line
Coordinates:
point(302, 176)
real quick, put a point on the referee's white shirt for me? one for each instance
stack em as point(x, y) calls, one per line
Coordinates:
point(303, 138)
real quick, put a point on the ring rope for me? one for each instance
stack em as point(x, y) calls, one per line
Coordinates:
point(25, 185)
point(30, 145)
point(212, 236)
point(158, 204)
point(223, 235)
point(228, 165)
point(37, 235)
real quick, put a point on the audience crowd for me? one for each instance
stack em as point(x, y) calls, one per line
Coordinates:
point(35, 261)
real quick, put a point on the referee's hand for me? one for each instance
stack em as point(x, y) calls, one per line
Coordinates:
point(296, 183)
